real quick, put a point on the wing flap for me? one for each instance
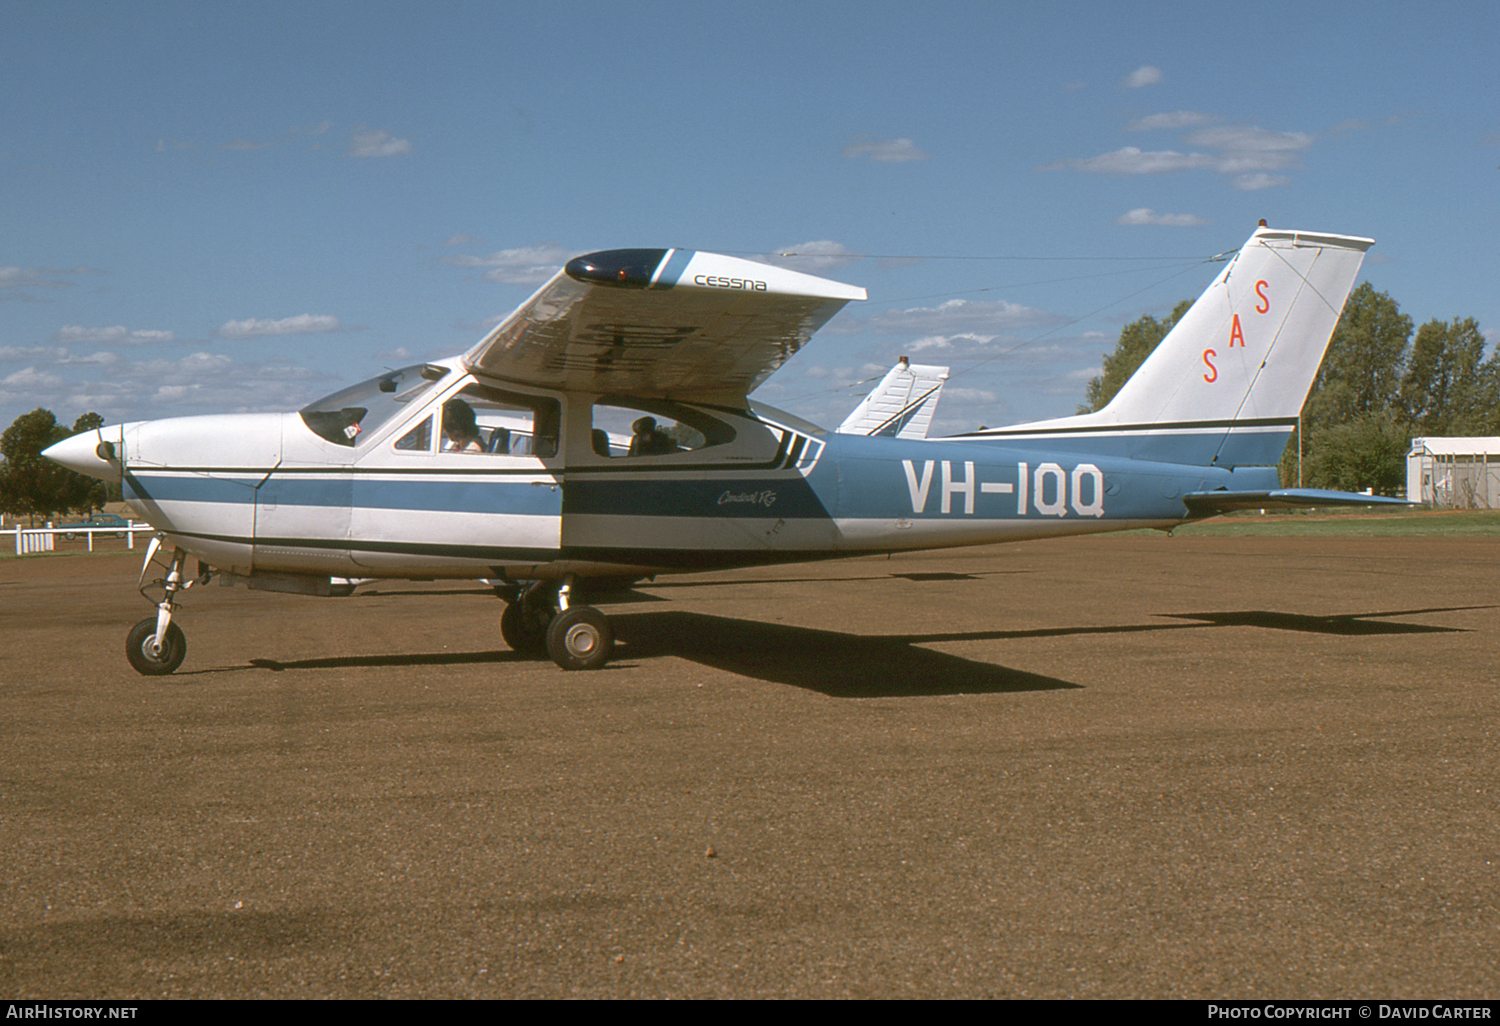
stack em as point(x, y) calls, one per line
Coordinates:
point(657, 323)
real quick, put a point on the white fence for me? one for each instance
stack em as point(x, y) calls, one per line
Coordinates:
point(30, 540)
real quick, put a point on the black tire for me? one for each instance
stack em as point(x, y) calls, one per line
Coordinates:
point(138, 650)
point(69, 535)
point(526, 635)
point(580, 639)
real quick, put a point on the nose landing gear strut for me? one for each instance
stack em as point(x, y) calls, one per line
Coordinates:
point(156, 646)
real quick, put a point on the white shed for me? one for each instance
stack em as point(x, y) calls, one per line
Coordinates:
point(1454, 473)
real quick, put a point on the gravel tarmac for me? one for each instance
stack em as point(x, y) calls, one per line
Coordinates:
point(1130, 766)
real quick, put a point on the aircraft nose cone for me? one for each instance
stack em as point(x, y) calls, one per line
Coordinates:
point(88, 453)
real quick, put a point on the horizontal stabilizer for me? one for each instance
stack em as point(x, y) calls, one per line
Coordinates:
point(902, 405)
point(1208, 504)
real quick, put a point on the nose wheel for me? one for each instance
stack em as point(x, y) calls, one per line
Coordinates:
point(151, 657)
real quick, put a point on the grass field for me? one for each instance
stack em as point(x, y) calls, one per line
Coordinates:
point(1357, 523)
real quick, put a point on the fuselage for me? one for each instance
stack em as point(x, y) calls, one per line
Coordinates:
point(369, 483)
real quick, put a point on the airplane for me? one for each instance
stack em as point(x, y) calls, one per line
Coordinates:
point(603, 434)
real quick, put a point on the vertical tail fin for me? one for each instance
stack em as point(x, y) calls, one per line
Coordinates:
point(1250, 346)
point(1226, 385)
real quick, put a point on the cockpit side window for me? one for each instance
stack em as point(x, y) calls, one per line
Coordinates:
point(632, 427)
point(487, 421)
point(418, 439)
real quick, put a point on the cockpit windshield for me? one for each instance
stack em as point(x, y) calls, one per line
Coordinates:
point(350, 414)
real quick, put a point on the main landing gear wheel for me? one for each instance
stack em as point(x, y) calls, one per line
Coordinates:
point(152, 660)
point(579, 638)
point(524, 628)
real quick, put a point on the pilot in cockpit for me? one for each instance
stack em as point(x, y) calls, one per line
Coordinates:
point(460, 428)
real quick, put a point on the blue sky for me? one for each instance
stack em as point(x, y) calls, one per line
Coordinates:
point(242, 206)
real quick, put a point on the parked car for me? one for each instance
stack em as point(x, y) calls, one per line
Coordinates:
point(98, 520)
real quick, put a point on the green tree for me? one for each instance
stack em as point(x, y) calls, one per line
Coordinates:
point(1447, 388)
point(32, 485)
point(1356, 400)
point(1361, 372)
point(1367, 452)
point(1138, 340)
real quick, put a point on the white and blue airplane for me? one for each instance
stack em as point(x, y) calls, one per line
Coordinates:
point(603, 433)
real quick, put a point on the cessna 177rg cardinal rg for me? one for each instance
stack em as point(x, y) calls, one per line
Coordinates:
point(603, 432)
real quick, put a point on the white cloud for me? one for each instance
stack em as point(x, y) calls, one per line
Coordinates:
point(1176, 119)
point(40, 277)
point(303, 324)
point(946, 344)
point(885, 151)
point(526, 265)
point(1246, 148)
point(1145, 215)
point(171, 395)
point(969, 395)
point(104, 358)
point(1142, 76)
point(814, 257)
point(29, 379)
point(959, 317)
point(198, 364)
point(32, 353)
point(1132, 160)
point(124, 390)
point(1260, 180)
point(73, 334)
point(377, 143)
point(1234, 150)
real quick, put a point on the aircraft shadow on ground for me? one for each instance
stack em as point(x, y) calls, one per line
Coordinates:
point(872, 666)
point(830, 662)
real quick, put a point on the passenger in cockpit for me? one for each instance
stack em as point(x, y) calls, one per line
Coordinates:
point(649, 440)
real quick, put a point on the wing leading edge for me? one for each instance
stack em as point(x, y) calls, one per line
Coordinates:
point(660, 322)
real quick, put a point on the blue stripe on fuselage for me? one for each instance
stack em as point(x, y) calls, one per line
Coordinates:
point(423, 494)
point(141, 484)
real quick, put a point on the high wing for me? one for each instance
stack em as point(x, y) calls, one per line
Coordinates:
point(660, 322)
